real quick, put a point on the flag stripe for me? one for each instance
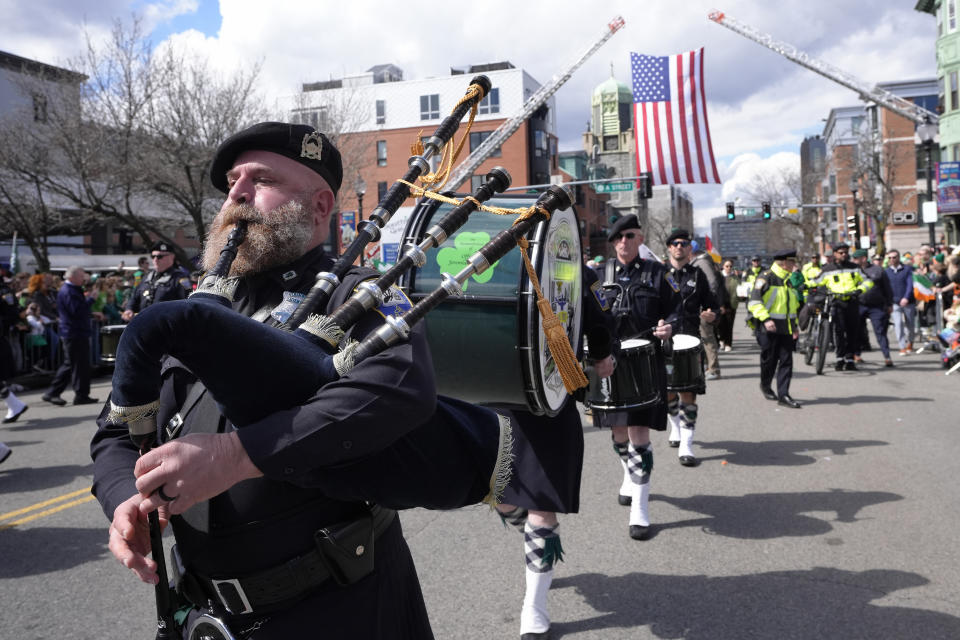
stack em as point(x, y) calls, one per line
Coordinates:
point(706, 125)
point(683, 116)
point(696, 120)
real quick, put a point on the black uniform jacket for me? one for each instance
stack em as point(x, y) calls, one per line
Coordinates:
point(648, 294)
point(262, 522)
point(158, 287)
point(693, 296)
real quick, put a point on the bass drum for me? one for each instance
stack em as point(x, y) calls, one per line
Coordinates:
point(488, 346)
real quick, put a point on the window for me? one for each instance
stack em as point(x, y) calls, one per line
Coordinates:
point(953, 90)
point(540, 148)
point(855, 123)
point(477, 138)
point(430, 107)
point(381, 153)
point(316, 118)
point(381, 191)
point(381, 111)
point(952, 15)
point(39, 107)
point(490, 103)
point(941, 92)
point(833, 185)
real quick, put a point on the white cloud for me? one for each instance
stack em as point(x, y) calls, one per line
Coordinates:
point(759, 102)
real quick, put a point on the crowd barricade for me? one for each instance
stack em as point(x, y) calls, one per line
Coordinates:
point(29, 357)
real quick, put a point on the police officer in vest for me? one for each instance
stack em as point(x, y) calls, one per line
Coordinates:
point(645, 299)
point(775, 305)
point(165, 282)
point(845, 281)
point(261, 546)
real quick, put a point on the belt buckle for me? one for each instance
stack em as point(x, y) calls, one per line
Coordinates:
point(231, 594)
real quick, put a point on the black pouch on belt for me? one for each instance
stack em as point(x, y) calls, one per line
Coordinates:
point(346, 549)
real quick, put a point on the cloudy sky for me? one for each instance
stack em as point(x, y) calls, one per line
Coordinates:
point(760, 104)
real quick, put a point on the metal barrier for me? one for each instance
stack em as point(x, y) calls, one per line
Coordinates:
point(47, 358)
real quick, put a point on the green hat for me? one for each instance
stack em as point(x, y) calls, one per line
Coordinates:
point(860, 253)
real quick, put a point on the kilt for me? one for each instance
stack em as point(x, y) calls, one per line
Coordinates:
point(548, 460)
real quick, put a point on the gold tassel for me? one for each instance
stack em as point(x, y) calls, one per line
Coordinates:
point(557, 342)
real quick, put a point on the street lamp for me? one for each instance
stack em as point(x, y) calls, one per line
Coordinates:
point(360, 188)
point(854, 187)
point(927, 132)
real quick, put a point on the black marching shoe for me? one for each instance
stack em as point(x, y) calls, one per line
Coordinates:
point(639, 531)
point(85, 400)
point(767, 392)
point(541, 635)
point(850, 365)
point(57, 400)
point(787, 401)
point(840, 365)
point(689, 461)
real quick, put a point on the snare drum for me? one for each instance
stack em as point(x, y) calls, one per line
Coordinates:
point(684, 367)
point(488, 346)
point(109, 339)
point(633, 383)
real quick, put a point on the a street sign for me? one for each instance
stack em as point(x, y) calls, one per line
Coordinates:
point(610, 187)
point(929, 212)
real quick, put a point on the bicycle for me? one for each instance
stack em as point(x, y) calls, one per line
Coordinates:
point(819, 335)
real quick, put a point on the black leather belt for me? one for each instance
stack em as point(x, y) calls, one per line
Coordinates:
point(282, 583)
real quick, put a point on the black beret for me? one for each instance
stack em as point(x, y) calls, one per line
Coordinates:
point(678, 234)
point(755, 259)
point(786, 253)
point(298, 142)
point(623, 223)
point(160, 245)
point(840, 245)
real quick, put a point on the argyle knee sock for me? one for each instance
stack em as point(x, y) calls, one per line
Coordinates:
point(641, 465)
point(688, 423)
point(543, 549)
point(626, 485)
point(516, 518)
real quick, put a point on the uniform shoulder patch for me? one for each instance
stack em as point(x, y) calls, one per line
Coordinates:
point(395, 302)
point(672, 282)
point(597, 290)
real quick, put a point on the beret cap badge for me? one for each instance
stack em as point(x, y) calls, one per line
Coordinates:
point(312, 146)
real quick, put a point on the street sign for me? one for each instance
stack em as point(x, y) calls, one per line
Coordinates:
point(929, 212)
point(610, 187)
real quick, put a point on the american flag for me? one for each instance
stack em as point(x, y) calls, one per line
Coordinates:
point(670, 116)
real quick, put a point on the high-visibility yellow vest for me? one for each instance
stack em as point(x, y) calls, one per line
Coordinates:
point(772, 298)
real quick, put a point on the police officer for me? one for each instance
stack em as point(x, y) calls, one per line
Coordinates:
point(644, 301)
point(774, 303)
point(165, 282)
point(756, 268)
point(694, 303)
point(845, 281)
point(256, 538)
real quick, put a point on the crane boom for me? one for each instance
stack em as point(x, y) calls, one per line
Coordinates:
point(880, 96)
point(466, 168)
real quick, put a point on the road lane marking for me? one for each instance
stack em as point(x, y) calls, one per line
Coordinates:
point(45, 503)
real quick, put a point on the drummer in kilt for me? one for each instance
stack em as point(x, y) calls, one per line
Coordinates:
point(694, 302)
point(548, 460)
point(644, 300)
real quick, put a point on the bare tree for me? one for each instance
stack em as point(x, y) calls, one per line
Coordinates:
point(782, 189)
point(875, 166)
point(136, 144)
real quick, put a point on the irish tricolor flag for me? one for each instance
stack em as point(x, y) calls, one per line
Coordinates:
point(922, 287)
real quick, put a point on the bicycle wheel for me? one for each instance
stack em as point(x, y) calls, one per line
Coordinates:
point(810, 344)
point(823, 344)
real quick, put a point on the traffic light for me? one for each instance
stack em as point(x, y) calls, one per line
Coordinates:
point(766, 210)
point(646, 185)
point(731, 211)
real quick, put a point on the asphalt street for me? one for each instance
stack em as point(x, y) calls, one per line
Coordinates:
point(837, 520)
